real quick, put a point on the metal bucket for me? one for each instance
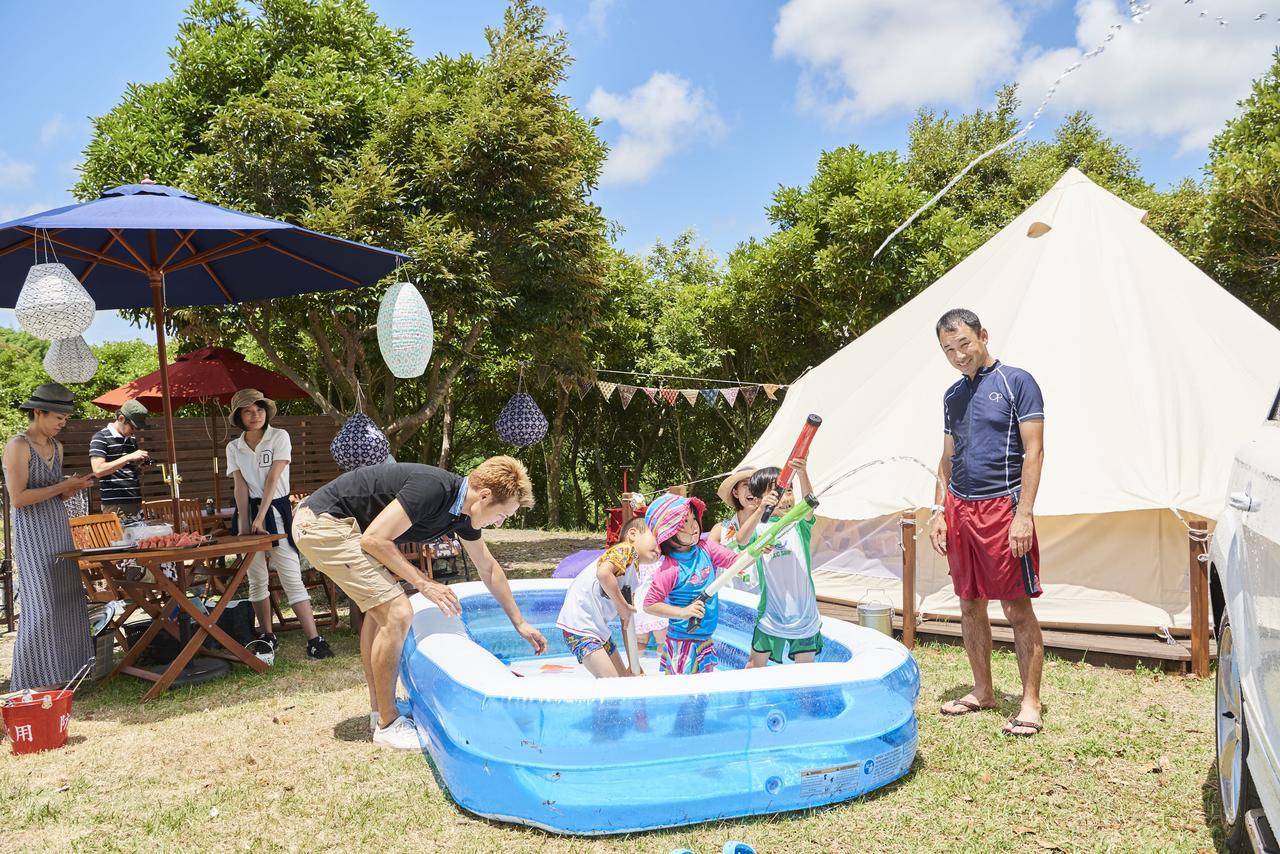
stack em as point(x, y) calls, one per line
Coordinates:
point(876, 616)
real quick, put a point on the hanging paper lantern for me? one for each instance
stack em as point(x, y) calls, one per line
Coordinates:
point(521, 422)
point(53, 304)
point(70, 360)
point(405, 331)
point(359, 443)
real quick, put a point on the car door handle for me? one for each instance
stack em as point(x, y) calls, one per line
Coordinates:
point(1243, 501)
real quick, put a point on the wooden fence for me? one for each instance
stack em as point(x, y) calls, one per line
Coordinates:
point(201, 442)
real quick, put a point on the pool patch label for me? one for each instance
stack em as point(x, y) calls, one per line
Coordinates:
point(826, 782)
point(856, 777)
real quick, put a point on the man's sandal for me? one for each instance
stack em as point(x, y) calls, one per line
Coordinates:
point(969, 708)
point(1014, 723)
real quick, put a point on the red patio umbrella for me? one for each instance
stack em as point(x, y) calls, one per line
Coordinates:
point(207, 375)
point(203, 376)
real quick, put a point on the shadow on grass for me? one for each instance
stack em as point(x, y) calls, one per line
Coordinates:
point(1212, 806)
point(353, 729)
point(1007, 705)
point(119, 699)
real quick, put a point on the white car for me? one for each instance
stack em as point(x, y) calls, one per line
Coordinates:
point(1244, 585)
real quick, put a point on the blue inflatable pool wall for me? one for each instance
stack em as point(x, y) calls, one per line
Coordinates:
point(583, 756)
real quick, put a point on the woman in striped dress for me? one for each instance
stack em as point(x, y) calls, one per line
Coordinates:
point(53, 628)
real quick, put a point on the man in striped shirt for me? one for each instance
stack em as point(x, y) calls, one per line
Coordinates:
point(117, 461)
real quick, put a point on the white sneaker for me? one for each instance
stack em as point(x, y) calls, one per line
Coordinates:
point(402, 734)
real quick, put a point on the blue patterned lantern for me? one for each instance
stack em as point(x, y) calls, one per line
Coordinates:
point(521, 422)
point(359, 443)
point(405, 331)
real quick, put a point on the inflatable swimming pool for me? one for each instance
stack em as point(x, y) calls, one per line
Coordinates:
point(537, 741)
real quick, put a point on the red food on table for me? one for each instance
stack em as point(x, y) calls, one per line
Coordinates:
point(171, 541)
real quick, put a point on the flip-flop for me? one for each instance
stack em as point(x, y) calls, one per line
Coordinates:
point(735, 847)
point(969, 708)
point(1014, 723)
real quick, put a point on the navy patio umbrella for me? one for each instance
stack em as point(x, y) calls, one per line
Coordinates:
point(148, 245)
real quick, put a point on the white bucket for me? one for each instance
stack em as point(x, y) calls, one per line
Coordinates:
point(269, 657)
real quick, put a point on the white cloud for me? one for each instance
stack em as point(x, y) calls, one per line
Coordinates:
point(861, 58)
point(14, 175)
point(598, 15)
point(1176, 75)
point(54, 129)
point(8, 212)
point(656, 117)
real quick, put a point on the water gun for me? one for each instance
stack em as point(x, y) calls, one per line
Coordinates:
point(799, 452)
point(755, 551)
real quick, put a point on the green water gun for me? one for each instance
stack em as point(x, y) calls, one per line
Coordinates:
point(755, 551)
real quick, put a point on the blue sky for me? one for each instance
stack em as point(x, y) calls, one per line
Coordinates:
point(710, 105)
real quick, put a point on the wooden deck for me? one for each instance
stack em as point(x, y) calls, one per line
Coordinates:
point(1105, 650)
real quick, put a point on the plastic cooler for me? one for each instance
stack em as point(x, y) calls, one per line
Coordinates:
point(40, 723)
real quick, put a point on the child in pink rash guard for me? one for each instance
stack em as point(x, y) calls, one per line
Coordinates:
point(688, 566)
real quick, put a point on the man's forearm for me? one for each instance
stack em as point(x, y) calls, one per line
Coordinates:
point(386, 553)
point(495, 580)
point(1032, 464)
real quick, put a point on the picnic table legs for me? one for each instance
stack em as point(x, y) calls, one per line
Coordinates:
point(206, 626)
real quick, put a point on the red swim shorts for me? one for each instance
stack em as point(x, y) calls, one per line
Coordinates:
point(982, 565)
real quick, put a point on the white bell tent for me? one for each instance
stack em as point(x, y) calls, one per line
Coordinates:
point(1152, 375)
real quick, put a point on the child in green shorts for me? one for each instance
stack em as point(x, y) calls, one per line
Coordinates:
point(787, 619)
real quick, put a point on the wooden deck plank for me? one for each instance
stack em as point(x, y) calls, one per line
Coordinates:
point(1103, 649)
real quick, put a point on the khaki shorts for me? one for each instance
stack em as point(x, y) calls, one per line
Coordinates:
point(332, 545)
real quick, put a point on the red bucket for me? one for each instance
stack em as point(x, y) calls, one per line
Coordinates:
point(33, 726)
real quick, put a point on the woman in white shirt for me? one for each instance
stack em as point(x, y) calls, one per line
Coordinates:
point(259, 463)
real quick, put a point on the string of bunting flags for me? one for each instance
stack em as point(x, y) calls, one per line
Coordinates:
point(663, 394)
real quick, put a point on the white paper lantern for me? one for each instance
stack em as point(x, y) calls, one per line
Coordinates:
point(70, 360)
point(53, 304)
point(405, 331)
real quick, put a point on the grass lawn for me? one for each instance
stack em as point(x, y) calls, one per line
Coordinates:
point(284, 762)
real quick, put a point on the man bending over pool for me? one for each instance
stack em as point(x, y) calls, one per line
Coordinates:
point(349, 529)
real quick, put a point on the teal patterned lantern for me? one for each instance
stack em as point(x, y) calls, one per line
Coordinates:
point(405, 331)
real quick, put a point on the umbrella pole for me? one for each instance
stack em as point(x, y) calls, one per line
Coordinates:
point(155, 277)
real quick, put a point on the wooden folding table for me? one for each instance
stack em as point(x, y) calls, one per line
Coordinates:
point(227, 560)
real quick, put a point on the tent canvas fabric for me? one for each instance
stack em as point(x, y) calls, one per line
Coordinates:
point(1152, 376)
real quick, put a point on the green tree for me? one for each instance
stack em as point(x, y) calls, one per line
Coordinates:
point(1242, 239)
point(476, 167)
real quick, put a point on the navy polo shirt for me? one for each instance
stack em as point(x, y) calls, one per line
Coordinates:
point(982, 416)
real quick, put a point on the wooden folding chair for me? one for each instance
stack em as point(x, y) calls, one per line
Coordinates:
point(190, 514)
point(97, 531)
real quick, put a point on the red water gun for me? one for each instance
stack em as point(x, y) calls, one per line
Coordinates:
point(799, 452)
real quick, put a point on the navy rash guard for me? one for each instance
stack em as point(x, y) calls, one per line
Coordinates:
point(982, 417)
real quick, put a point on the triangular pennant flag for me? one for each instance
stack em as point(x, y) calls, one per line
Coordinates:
point(691, 395)
point(652, 392)
point(568, 383)
point(584, 385)
point(710, 395)
point(749, 393)
point(771, 390)
point(543, 372)
point(671, 395)
point(731, 395)
point(606, 389)
point(625, 393)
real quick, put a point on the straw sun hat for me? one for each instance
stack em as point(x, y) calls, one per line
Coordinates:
point(248, 397)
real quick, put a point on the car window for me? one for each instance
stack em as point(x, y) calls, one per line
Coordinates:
point(1275, 408)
